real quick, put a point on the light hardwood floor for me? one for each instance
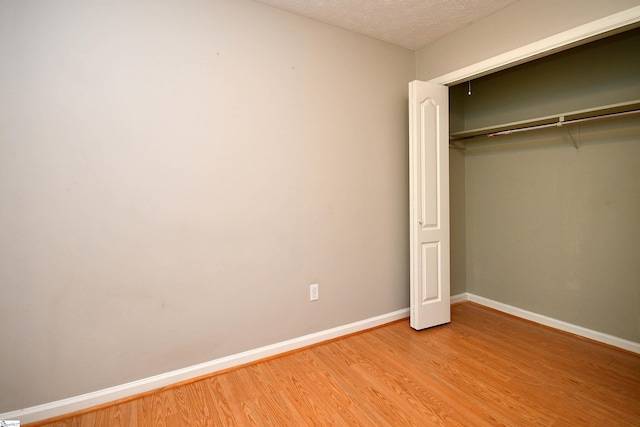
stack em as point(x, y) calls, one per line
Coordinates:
point(485, 368)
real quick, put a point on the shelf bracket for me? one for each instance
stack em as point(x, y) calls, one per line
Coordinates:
point(559, 124)
point(575, 143)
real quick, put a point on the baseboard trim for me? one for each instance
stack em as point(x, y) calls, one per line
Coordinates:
point(100, 397)
point(554, 323)
point(458, 298)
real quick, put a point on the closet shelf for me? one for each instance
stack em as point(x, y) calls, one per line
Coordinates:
point(550, 121)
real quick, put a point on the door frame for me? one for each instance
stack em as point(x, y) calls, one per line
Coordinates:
point(547, 46)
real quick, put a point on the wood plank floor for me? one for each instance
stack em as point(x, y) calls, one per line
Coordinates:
point(484, 369)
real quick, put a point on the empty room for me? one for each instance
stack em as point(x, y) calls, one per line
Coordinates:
point(298, 212)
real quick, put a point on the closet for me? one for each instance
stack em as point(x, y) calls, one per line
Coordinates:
point(547, 220)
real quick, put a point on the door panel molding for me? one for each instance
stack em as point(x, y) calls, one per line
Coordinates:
point(429, 167)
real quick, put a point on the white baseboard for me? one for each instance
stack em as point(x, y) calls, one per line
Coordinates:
point(551, 322)
point(88, 400)
point(458, 298)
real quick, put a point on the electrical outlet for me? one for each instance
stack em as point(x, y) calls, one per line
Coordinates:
point(313, 292)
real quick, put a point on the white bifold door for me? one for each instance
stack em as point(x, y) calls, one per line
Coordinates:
point(429, 204)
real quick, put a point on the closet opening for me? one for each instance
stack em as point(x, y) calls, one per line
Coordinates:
point(544, 221)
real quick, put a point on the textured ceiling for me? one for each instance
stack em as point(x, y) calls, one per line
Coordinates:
point(408, 23)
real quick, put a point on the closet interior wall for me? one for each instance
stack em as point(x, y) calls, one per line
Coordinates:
point(550, 228)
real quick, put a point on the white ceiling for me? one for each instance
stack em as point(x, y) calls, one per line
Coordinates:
point(409, 23)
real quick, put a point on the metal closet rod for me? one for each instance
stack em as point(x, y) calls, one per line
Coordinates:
point(562, 122)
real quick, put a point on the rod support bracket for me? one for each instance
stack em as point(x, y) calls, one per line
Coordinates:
point(575, 143)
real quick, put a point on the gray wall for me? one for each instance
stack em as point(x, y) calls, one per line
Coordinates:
point(457, 213)
point(599, 73)
point(174, 175)
point(555, 231)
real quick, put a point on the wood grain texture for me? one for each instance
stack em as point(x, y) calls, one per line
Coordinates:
point(484, 369)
